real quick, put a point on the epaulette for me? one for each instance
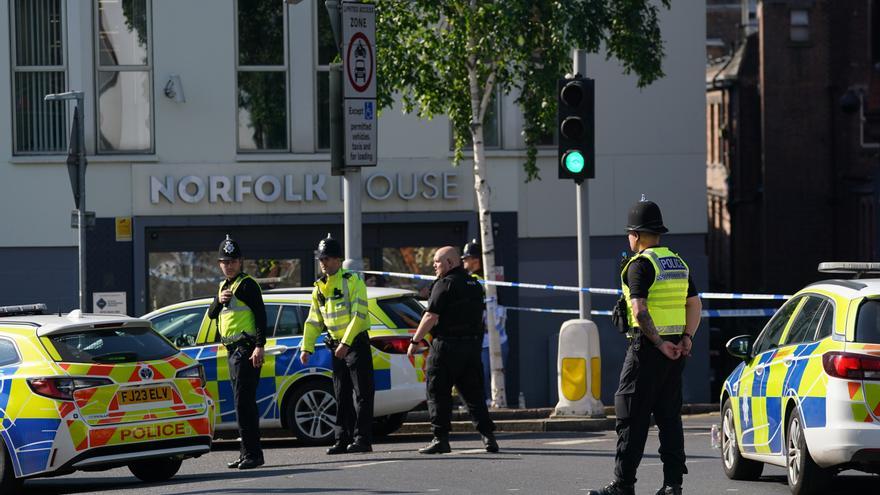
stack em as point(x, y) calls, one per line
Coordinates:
point(346, 275)
point(323, 280)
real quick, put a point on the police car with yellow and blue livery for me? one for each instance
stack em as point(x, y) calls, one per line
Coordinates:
point(296, 397)
point(94, 392)
point(807, 395)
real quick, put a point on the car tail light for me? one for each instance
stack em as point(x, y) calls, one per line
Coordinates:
point(62, 388)
point(393, 344)
point(195, 372)
point(851, 366)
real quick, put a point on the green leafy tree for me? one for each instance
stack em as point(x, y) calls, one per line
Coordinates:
point(449, 57)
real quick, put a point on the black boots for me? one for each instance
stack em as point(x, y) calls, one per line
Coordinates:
point(490, 443)
point(337, 448)
point(615, 488)
point(437, 446)
point(669, 490)
point(358, 448)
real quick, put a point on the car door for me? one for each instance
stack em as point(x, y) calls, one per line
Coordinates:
point(751, 388)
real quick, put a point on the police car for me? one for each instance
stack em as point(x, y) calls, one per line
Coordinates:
point(807, 395)
point(89, 392)
point(296, 397)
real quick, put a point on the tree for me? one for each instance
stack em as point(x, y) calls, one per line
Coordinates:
point(450, 56)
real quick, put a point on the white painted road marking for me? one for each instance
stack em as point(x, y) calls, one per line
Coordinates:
point(367, 464)
point(580, 441)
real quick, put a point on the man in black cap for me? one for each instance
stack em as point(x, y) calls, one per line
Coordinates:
point(455, 318)
point(339, 305)
point(241, 316)
point(663, 312)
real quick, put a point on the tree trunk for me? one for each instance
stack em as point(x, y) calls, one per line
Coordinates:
point(481, 187)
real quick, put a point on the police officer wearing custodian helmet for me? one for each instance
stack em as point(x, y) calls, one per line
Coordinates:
point(339, 304)
point(663, 313)
point(241, 316)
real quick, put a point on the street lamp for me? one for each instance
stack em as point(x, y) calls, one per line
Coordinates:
point(76, 167)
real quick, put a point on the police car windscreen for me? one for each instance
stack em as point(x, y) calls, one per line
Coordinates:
point(405, 312)
point(112, 345)
point(868, 323)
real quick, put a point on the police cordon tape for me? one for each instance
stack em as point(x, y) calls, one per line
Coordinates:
point(707, 313)
point(591, 290)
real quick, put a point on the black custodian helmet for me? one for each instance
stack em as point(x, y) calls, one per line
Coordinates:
point(229, 250)
point(471, 250)
point(329, 248)
point(645, 216)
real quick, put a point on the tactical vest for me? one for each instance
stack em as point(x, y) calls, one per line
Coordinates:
point(668, 293)
point(339, 298)
point(463, 315)
point(236, 318)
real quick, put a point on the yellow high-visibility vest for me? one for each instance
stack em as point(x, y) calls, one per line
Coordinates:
point(339, 303)
point(236, 317)
point(668, 293)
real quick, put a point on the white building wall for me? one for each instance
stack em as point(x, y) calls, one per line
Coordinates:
point(648, 141)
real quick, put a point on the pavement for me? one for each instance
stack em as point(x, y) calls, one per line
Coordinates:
point(534, 420)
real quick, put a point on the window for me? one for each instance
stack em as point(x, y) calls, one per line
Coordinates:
point(868, 322)
point(326, 51)
point(491, 127)
point(261, 68)
point(124, 76)
point(419, 260)
point(115, 345)
point(405, 312)
point(8, 353)
point(804, 326)
point(827, 325)
point(800, 26)
point(39, 67)
point(181, 327)
point(769, 338)
point(290, 321)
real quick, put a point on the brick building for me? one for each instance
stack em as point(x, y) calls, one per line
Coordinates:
point(791, 164)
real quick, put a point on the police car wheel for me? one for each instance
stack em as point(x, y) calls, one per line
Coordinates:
point(804, 475)
point(311, 412)
point(154, 470)
point(386, 425)
point(8, 482)
point(736, 467)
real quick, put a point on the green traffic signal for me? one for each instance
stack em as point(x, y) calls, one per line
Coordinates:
point(574, 161)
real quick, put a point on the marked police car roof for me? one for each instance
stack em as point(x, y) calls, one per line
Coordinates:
point(849, 288)
point(71, 322)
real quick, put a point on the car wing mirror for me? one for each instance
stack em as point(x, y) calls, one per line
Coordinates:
point(740, 346)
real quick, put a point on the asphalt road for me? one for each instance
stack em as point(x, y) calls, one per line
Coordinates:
point(529, 463)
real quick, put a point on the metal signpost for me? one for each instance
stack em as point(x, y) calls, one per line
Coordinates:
point(76, 166)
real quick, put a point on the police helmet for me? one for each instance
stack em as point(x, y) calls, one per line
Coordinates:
point(471, 250)
point(645, 216)
point(329, 248)
point(229, 250)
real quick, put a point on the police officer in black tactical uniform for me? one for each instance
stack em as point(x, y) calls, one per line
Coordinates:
point(455, 319)
point(241, 316)
point(663, 313)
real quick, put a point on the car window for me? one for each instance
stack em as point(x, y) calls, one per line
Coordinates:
point(405, 311)
point(8, 352)
point(112, 345)
point(290, 322)
point(827, 325)
point(181, 326)
point(868, 322)
point(805, 324)
point(769, 338)
point(271, 317)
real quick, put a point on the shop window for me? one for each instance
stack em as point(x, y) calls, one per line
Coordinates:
point(416, 260)
point(800, 26)
point(262, 75)
point(39, 67)
point(124, 76)
point(183, 275)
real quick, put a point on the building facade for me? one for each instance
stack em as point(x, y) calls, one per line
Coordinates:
point(208, 117)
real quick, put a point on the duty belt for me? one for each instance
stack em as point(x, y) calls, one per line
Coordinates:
point(238, 340)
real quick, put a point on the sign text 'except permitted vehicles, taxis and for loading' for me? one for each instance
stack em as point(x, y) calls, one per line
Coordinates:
point(359, 83)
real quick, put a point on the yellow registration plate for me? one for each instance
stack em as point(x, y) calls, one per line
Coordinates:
point(143, 395)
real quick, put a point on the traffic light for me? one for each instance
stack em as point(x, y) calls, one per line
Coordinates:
point(575, 118)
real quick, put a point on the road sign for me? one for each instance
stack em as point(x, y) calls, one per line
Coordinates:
point(359, 83)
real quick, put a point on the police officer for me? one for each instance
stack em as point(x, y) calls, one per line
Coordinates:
point(339, 304)
point(472, 260)
point(241, 316)
point(663, 311)
point(455, 318)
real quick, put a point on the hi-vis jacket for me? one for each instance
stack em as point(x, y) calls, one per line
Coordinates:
point(667, 295)
point(236, 318)
point(339, 303)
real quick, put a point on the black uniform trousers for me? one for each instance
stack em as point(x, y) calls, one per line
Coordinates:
point(456, 361)
point(650, 383)
point(244, 378)
point(354, 387)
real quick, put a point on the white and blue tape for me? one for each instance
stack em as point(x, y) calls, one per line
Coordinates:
point(707, 313)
